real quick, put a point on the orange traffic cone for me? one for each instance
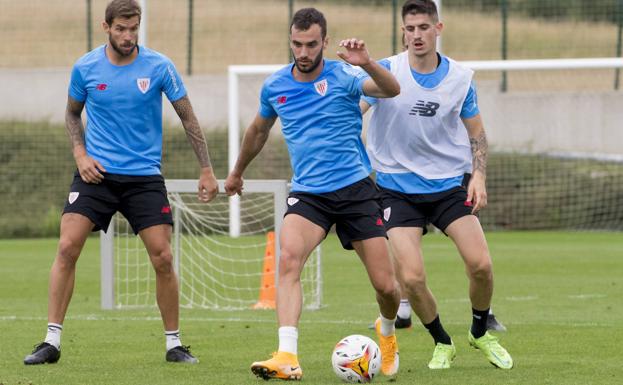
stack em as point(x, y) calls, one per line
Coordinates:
point(267, 286)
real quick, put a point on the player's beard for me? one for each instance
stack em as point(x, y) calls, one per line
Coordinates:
point(315, 63)
point(118, 49)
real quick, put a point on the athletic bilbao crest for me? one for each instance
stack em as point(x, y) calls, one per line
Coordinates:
point(72, 197)
point(387, 213)
point(322, 87)
point(143, 84)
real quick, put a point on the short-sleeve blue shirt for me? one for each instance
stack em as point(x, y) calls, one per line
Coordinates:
point(321, 123)
point(124, 108)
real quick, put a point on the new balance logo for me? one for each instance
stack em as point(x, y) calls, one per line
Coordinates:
point(423, 108)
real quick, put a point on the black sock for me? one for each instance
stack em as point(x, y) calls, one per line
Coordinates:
point(479, 322)
point(437, 331)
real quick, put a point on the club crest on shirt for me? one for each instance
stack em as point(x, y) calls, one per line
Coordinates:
point(72, 197)
point(143, 84)
point(387, 213)
point(322, 87)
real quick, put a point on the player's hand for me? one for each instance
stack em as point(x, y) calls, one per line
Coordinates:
point(90, 170)
point(233, 184)
point(356, 52)
point(208, 186)
point(476, 192)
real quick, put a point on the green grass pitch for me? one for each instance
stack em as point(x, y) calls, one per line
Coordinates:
point(559, 294)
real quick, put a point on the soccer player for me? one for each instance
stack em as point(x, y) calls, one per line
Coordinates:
point(118, 159)
point(403, 318)
point(317, 102)
point(429, 149)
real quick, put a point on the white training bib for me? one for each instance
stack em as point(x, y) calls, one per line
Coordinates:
point(420, 130)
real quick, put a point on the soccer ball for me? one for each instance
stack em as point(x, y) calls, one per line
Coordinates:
point(356, 359)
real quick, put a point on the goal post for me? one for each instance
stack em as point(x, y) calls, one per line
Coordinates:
point(215, 270)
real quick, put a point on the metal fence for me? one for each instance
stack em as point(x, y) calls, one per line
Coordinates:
point(204, 36)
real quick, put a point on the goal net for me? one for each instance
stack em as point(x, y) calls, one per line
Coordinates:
point(215, 270)
point(555, 160)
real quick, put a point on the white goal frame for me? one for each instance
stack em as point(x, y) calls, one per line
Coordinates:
point(279, 189)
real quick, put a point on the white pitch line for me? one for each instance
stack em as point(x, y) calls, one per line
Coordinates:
point(587, 296)
point(519, 299)
point(454, 300)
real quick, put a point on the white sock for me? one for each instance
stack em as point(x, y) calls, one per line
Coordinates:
point(173, 339)
point(54, 335)
point(490, 310)
point(387, 326)
point(288, 339)
point(404, 311)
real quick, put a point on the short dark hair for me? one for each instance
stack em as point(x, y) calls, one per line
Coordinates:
point(304, 18)
point(122, 8)
point(414, 7)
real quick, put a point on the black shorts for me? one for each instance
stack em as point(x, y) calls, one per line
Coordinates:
point(141, 199)
point(354, 210)
point(418, 210)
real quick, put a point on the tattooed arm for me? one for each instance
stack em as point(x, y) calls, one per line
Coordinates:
point(90, 169)
point(208, 186)
point(476, 191)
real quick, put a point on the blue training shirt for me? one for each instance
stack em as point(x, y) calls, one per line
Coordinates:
point(412, 183)
point(321, 123)
point(124, 108)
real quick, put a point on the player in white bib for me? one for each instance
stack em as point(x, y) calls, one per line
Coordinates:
point(429, 149)
point(403, 318)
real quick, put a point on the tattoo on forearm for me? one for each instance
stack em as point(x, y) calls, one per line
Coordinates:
point(197, 140)
point(479, 152)
point(73, 122)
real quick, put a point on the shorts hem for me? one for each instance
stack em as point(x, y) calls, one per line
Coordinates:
point(326, 230)
point(97, 226)
point(388, 226)
point(149, 224)
point(445, 225)
point(363, 237)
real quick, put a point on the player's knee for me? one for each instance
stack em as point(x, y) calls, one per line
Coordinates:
point(481, 271)
point(290, 264)
point(415, 284)
point(387, 288)
point(162, 262)
point(68, 252)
